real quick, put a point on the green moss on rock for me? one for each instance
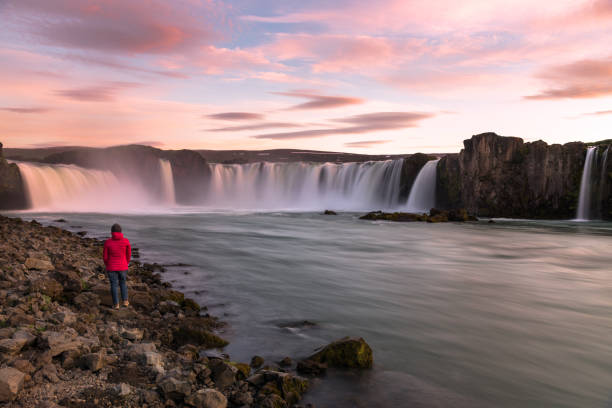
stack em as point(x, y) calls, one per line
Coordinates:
point(345, 353)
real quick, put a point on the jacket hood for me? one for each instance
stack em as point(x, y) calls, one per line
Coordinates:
point(117, 235)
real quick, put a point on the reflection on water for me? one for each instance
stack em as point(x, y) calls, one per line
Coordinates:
point(511, 314)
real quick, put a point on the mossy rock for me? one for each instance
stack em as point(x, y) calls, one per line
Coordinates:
point(175, 296)
point(190, 304)
point(198, 336)
point(243, 368)
point(345, 353)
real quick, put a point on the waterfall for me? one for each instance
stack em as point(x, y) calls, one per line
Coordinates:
point(423, 192)
point(584, 201)
point(602, 181)
point(167, 182)
point(72, 188)
point(306, 186)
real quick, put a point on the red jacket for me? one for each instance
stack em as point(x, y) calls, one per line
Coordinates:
point(117, 253)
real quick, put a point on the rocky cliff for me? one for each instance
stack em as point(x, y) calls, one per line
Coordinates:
point(505, 177)
point(12, 195)
point(410, 169)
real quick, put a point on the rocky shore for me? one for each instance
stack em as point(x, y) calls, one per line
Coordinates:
point(62, 345)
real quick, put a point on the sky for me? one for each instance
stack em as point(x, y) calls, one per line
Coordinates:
point(374, 77)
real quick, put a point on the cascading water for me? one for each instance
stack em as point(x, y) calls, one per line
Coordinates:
point(602, 181)
point(584, 201)
point(72, 188)
point(306, 186)
point(167, 182)
point(423, 192)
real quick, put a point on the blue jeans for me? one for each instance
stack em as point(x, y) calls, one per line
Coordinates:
point(118, 278)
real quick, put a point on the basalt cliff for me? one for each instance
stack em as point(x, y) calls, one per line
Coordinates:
point(12, 194)
point(492, 176)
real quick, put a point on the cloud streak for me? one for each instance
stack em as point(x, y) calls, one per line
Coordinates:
point(236, 116)
point(32, 110)
point(97, 93)
point(359, 124)
point(259, 126)
point(319, 101)
point(366, 143)
point(589, 78)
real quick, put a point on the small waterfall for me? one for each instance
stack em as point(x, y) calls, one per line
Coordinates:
point(584, 201)
point(602, 181)
point(306, 186)
point(167, 182)
point(423, 192)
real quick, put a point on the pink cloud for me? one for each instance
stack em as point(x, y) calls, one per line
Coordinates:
point(335, 53)
point(132, 27)
point(318, 101)
point(258, 126)
point(218, 61)
point(236, 116)
point(25, 110)
point(589, 78)
point(366, 143)
point(599, 113)
point(358, 124)
point(97, 93)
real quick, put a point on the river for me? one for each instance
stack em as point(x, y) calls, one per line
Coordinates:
point(506, 314)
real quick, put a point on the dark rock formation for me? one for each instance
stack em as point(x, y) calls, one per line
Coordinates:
point(410, 169)
point(504, 177)
point(12, 191)
point(344, 353)
point(434, 216)
point(191, 175)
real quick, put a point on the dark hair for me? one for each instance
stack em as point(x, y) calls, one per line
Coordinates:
point(116, 228)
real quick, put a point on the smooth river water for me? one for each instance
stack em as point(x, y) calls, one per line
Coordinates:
point(511, 314)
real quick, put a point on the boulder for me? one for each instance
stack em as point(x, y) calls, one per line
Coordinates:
point(47, 286)
point(39, 264)
point(87, 302)
point(257, 361)
point(58, 343)
point(93, 361)
point(141, 300)
point(11, 382)
point(207, 398)
point(133, 334)
point(345, 353)
point(12, 346)
point(174, 388)
point(192, 333)
point(223, 374)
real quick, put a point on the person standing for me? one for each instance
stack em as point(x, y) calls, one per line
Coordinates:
point(117, 254)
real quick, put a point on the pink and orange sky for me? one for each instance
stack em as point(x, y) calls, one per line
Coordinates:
point(384, 76)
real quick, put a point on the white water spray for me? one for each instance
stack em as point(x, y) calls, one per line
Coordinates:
point(306, 186)
point(71, 188)
point(584, 201)
point(423, 192)
point(167, 182)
